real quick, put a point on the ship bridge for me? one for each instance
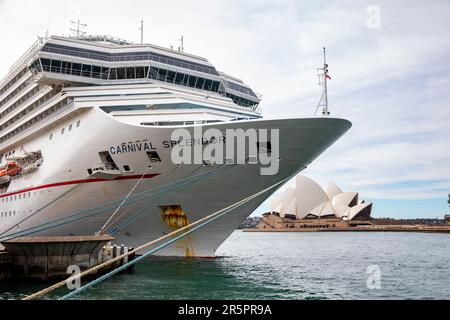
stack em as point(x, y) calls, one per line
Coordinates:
point(103, 60)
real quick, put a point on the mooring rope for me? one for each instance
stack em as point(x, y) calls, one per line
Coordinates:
point(193, 227)
point(42, 208)
point(47, 225)
point(142, 210)
point(124, 200)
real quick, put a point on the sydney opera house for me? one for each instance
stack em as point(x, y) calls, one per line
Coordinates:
point(307, 205)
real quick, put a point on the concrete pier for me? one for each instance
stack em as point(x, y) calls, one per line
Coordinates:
point(49, 257)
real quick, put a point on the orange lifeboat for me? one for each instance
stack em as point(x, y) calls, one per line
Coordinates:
point(11, 169)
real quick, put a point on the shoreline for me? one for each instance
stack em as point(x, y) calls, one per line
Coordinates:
point(425, 229)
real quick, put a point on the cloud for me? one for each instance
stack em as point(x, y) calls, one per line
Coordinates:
point(392, 82)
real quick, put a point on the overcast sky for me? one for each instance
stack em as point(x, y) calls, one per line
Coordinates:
point(389, 63)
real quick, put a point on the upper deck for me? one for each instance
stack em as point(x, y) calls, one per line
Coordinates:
point(100, 60)
point(37, 87)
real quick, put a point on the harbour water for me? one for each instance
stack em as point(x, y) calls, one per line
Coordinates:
point(329, 265)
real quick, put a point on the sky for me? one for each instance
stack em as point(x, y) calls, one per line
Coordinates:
point(388, 61)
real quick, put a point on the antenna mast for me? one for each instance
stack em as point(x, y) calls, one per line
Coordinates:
point(182, 43)
point(323, 77)
point(142, 31)
point(79, 26)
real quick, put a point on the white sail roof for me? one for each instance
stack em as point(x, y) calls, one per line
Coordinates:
point(286, 199)
point(292, 208)
point(308, 198)
point(309, 194)
point(354, 211)
point(323, 209)
point(343, 199)
point(275, 203)
point(333, 190)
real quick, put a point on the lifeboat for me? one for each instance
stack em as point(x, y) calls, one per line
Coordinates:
point(10, 170)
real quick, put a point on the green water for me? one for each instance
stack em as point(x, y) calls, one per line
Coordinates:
point(288, 266)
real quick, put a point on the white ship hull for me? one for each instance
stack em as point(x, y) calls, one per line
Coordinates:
point(84, 118)
point(62, 186)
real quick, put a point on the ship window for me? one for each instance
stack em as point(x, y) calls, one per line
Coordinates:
point(162, 75)
point(51, 136)
point(215, 86)
point(153, 73)
point(130, 73)
point(120, 73)
point(76, 69)
point(56, 66)
point(140, 72)
point(113, 74)
point(185, 80)
point(70, 127)
point(66, 66)
point(86, 70)
point(96, 72)
point(105, 72)
point(78, 123)
point(170, 76)
point(170, 123)
point(45, 64)
point(36, 65)
point(179, 78)
point(62, 130)
point(89, 171)
point(153, 156)
point(192, 80)
point(200, 82)
point(126, 168)
point(207, 85)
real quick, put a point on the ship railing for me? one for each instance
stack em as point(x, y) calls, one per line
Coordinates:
point(16, 67)
point(80, 73)
point(128, 58)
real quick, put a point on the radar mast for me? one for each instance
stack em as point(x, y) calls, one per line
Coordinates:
point(323, 77)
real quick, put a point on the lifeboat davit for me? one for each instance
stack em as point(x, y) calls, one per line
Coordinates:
point(10, 170)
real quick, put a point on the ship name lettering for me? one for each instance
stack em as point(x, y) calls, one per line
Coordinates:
point(131, 147)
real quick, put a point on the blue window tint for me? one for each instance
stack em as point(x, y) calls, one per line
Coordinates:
point(96, 72)
point(105, 72)
point(179, 78)
point(153, 73)
point(200, 83)
point(131, 73)
point(45, 64)
point(192, 81)
point(170, 76)
point(76, 69)
point(86, 70)
point(56, 66)
point(120, 73)
point(162, 75)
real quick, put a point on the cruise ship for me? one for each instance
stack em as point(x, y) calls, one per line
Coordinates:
point(86, 144)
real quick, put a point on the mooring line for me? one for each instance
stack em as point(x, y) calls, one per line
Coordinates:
point(193, 227)
point(42, 208)
point(180, 183)
point(102, 230)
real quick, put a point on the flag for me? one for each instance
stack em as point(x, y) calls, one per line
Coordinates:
point(327, 76)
